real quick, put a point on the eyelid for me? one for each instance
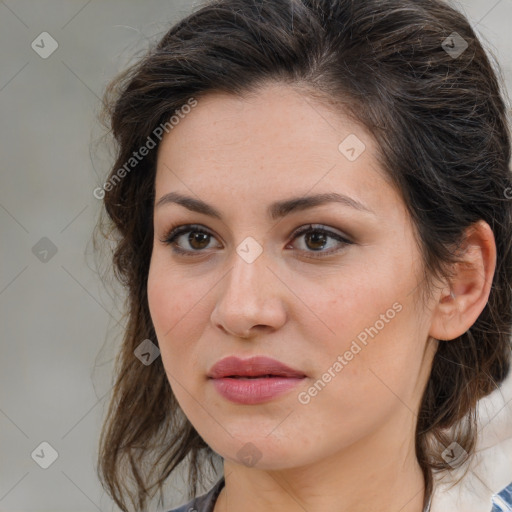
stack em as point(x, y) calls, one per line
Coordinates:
point(177, 230)
point(321, 227)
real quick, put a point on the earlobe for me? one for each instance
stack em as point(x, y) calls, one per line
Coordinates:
point(465, 297)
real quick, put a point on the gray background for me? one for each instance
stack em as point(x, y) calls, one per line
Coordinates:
point(59, 325)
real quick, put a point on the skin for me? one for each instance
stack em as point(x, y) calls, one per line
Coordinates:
point(351, 447)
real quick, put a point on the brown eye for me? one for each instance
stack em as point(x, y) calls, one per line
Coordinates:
point(318, 238)
point(197, 240)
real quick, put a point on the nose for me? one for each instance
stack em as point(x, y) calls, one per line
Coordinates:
point(250, 299)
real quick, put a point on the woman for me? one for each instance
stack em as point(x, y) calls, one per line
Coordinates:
point(312, 207)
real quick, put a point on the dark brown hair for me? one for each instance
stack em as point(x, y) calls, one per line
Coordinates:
point(440, 122)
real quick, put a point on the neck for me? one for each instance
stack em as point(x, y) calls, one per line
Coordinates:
point(370, 475)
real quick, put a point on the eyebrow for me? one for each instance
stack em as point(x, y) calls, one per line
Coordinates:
point(275, 211)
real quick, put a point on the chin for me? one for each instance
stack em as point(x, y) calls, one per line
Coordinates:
point(254, 449)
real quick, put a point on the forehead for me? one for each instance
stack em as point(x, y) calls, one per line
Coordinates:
point(277, 115)
point(274, 143)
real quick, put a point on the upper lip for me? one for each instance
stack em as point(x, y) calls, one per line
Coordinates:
point(255, 366)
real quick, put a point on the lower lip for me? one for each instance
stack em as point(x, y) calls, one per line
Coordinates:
point(254, 391)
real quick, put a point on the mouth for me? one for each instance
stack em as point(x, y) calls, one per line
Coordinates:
point(253, 377)
point(254, 390)
point(253, 381)
point(258, 367)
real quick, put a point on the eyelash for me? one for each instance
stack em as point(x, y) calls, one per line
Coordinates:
point(175, 232)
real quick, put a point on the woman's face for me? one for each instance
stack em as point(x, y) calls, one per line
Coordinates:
point(344, 314)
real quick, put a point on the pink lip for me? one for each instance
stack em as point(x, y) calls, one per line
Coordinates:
point(272, 378)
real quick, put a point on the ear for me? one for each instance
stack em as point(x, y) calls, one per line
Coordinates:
point(464, 298)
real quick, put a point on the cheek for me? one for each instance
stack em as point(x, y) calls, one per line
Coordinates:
point(372, 382)
point(170, 300)
point(373, 326)
point(177, 307)
point(170, 307)
point(353, 308)
point(160, 299)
